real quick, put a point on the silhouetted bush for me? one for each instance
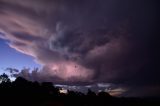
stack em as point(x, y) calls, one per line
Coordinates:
point(23, 92)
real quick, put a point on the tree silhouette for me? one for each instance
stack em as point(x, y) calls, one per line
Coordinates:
point(4, 78)
point(22, 92)
point(104, 94)
point(91, 93)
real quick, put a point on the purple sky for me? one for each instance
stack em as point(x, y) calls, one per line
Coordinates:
point(83, 42)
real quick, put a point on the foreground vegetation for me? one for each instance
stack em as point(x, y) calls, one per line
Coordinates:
point(26, 93)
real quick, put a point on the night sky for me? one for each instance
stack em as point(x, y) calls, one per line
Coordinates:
point(109, 45)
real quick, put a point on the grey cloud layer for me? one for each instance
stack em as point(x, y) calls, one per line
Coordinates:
point(84, 40)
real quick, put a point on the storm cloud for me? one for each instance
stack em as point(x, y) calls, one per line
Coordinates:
point(85, 41)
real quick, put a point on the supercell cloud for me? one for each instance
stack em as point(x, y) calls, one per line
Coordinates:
point(84, 41)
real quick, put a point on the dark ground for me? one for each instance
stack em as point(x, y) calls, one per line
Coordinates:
point(26, 93)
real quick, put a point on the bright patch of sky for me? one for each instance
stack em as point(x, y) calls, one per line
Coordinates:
point(10, 58)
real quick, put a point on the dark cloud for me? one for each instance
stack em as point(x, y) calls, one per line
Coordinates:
point(12, 70)
point(85, 41)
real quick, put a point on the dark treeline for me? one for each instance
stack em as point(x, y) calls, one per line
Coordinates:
point(22, 92)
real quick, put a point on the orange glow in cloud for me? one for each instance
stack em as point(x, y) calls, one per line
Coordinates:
point(116, 91)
